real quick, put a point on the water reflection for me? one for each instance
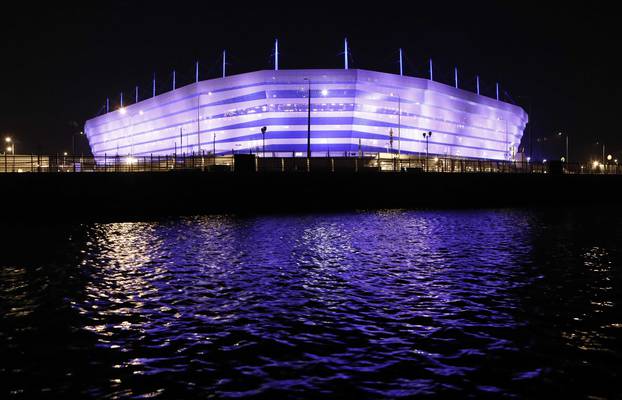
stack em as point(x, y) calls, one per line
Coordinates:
point(365, 304)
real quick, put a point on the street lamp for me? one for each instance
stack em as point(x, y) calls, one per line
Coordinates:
point(11, 144)
point(566, 135)
point(73, 142)
point(309, 119)
point(263, 137)
point(426, 136)
point(603, 150)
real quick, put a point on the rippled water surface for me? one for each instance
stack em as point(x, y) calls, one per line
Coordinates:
point(385, 304)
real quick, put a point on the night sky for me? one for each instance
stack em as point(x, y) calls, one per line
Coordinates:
point(60, 62)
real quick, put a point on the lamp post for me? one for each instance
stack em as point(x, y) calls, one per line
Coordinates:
point(309, 119)
point(426, 136)
point(214, 147)
point(566, 135)
point(198, 113)
point(10, 144)
point(11, 148)
point(263, 137)
point(73, 142)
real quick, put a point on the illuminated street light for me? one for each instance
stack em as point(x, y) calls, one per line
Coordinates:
point(324, 92)
point(609, 157)
point(122, 110)
point(566, 135)
point(426, 136)
point(309, 119)
point(263, 137)
point(11, 144)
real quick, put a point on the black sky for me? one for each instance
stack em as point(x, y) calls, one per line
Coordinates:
point(60, 62)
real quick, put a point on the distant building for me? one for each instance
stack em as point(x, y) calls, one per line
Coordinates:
point(352, 111)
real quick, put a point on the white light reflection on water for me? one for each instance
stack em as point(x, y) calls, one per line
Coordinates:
point(368, 304)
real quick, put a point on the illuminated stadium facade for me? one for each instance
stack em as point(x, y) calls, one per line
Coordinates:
point(353, 111)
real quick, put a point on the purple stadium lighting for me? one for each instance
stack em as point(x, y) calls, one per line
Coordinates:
point(355, 114)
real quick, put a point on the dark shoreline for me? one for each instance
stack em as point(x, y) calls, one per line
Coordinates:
point(96, 196)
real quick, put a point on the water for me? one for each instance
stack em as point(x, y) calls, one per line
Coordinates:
point(378, 304)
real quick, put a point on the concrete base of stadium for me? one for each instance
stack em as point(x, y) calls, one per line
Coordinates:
point(129, 196)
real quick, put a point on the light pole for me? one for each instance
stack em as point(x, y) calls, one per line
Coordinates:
point(11, 144)
point(198, 113)
point(263, 137)
point(11, 148)
point(426, 136)
point(566, 135)
point(529, 124)
point(399, 126)
point(73, 142)
point(309, 120)
point(214, 147)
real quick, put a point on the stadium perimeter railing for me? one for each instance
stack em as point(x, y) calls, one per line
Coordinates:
point(360, 163)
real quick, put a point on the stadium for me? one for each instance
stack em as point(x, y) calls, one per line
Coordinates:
point(316, 113)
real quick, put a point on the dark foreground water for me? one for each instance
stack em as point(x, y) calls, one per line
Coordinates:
point(379, 304)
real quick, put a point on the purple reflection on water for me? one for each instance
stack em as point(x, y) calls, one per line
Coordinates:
point(367, 304)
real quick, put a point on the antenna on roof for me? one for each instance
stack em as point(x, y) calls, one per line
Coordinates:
point(456, 76)
point(431, 71)
point(154, 85)
point(276, 54)
point(401, 64)
point(345, 54)
point(224, 63)
point(196, 71)
point(477, 82)
point(173, 79)
point(497, 90)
